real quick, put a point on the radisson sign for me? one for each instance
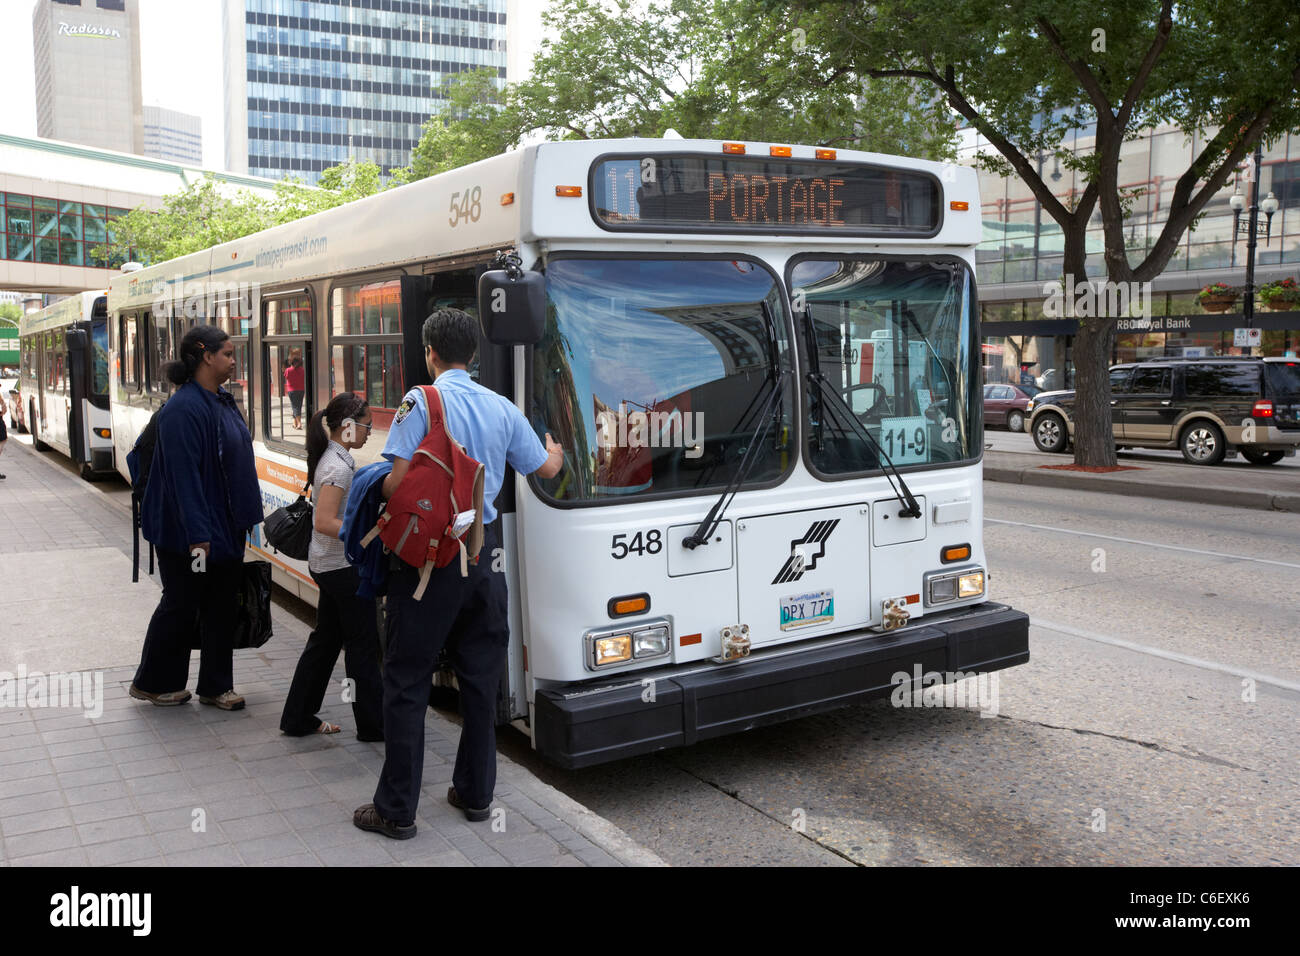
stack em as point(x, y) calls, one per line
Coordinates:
point(88, 30)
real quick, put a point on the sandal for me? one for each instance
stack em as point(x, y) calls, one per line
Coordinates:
point(327, 728)
point(368, 818)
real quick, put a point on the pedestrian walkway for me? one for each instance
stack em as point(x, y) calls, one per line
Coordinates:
point(115, 781)
point(1269, 489)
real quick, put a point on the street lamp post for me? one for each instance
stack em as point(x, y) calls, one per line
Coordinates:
point(1268, 207)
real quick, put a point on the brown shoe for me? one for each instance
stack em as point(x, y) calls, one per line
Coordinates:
point(227, 701)
point(169, 699)
point(367, 818)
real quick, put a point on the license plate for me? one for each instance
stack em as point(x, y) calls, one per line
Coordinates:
point(801, 610)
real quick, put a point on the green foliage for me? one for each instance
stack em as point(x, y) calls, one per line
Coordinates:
point(709, 69)
point(10, 313)
point(204, 215)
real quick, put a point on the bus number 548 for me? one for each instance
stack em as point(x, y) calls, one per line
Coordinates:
point(466, 206)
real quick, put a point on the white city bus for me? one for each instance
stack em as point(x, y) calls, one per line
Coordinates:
point(63, 380)
point(762, 362)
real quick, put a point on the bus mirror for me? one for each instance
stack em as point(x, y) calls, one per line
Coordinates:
point(512, 310)
point(77, 340)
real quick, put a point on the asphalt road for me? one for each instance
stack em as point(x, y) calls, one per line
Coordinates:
point(1161, 701)
point(1004, 440)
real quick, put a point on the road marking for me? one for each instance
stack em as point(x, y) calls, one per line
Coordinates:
point(1149, 544)
point(1170, 655)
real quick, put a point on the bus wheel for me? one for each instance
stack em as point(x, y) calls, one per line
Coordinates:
point(31, 427)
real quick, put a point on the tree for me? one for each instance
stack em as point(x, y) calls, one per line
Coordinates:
point(706, 68)
point(201, 215)
point(1028, 75)
point(10, 313)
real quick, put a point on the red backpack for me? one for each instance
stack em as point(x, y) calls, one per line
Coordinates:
point(419, 523)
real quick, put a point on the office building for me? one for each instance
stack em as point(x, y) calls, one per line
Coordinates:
point(169, 134)
point(310, 83)
point(1023, 250)
point(87, 58)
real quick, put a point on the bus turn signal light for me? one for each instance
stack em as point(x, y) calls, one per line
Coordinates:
point(781, 151)
point(569, 192)
point(507, 199)
point(960, 205)
point(737, 148)
point(628, 604)
point(103, 433)
point(960, 552)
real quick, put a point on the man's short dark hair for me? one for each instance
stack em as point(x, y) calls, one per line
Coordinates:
point(453, 334)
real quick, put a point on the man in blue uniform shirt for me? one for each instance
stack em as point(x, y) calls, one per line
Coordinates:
point(466, 613)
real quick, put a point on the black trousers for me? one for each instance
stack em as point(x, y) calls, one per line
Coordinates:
point(469, 615)
point(343, 622)
point(192, 601)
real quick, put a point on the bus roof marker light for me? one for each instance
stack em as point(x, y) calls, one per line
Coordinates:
point(959, 205)
point(569, 192)
point(825, 154)
point(736, 148)
point(781, 151)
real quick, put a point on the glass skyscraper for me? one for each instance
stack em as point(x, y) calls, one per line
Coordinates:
point(310, 83)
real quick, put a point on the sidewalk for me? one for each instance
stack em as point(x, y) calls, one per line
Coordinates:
point(1252, 487)
point(193, 785)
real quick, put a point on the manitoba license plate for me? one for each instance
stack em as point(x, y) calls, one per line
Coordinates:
point(800, 610)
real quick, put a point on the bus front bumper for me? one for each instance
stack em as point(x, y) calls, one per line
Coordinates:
point(581, 726)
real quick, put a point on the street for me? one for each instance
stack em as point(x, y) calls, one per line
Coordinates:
point(1161, 701)
point(1004, 440)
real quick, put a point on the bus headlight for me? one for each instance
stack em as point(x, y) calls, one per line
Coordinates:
point(640, 641)
point(652, 642)
point(944, 586)
point(613, 650)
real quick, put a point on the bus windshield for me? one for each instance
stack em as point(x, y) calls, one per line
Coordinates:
point(893, 345)
point(654, 374)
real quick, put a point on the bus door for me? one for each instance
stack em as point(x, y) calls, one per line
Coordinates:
point(79, 352)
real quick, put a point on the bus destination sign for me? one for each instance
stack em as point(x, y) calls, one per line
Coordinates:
point(695, 193)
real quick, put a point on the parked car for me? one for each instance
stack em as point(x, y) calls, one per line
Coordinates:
point(1206, 408)
point(1006, 404)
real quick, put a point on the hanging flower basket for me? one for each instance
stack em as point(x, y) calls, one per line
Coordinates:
point(1280, 296)
point(1219, 297)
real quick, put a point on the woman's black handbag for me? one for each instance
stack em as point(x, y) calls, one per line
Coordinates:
point(253, 623)
point(288, 529)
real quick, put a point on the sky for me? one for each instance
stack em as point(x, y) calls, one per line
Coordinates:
point(181, 63)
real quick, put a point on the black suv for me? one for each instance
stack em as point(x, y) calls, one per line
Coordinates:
point(1206, 408)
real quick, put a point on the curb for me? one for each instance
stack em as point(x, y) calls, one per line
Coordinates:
point(1115, 484)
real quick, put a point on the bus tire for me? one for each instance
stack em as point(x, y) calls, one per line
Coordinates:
point(31, 427)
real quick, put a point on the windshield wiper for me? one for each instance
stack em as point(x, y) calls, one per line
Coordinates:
point(910, 507)
point(706, 527)
point(904, 494)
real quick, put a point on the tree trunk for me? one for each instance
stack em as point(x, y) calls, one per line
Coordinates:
point(1094, 441)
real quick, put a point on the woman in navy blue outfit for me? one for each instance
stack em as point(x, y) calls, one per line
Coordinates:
point(201, 500)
